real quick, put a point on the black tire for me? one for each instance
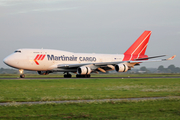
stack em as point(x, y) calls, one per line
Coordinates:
point(22, 76)
point(83, 76)
point(88, 76)
point(77, 76)
point(68, 76)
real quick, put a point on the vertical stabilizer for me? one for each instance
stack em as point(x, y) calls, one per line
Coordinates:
point(138, 48)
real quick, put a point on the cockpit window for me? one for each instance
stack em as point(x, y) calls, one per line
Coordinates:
point(17, 51)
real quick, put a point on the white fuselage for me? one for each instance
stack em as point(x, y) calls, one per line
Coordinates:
point(46, 59)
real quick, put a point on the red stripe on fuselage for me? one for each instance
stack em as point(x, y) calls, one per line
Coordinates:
point(36, 57)
point(35, 60)
point(43, 57)
point(39, 57)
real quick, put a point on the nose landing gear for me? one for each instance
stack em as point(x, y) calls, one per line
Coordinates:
point(21, 73)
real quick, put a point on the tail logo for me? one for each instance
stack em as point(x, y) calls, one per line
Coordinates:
point(39, 57)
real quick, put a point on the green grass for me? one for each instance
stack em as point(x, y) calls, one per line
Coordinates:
point(167, 109)
point(78, 89)
point(95, 88)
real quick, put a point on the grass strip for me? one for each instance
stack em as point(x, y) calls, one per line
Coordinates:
point(166, 109)
point(84, 89)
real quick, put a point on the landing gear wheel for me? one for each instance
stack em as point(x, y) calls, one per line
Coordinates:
point(83, 76)
point(22, 76)
point(67, 76)
point(88, 76)
point(78, 76)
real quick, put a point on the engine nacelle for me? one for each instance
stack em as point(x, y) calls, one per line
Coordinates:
point(121, 68)
point(43, 72)
point(84, 70)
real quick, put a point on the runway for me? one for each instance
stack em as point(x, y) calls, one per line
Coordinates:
point(88, 101)
point(49, 78)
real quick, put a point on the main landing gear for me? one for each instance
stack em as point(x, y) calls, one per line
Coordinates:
point(21, 74)
point(83, 76)
point(67, 75)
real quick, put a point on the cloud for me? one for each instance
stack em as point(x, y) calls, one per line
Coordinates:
point(44, 10)
point(6, 3)
point(178, 32)
point(18, 2)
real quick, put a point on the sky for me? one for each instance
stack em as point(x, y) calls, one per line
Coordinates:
point(90, 26)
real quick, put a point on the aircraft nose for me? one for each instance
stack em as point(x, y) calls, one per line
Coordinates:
point(6, 60)
point(10, 61)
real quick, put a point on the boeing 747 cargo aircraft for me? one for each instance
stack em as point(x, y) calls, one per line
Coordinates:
point(46, 61)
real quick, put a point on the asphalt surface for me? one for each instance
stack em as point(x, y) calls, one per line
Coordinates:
point(87, 101)
point(34, 78)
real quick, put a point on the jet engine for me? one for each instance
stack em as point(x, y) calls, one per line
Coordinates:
point(84, 70)
point(121, 68)
point(43, 72)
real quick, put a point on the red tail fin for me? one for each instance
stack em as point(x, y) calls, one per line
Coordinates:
point(138, 48)
point(140, 45)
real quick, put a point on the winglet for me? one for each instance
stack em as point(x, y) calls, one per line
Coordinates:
point(171, 58)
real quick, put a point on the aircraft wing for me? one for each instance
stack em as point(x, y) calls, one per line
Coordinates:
point(72, 65)
point(129, 63)
point(159, 60)
point(83, 64)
